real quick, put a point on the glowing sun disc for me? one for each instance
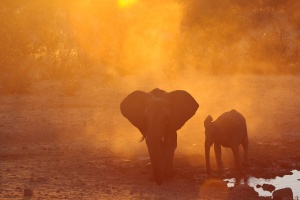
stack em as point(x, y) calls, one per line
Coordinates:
point(125, 3)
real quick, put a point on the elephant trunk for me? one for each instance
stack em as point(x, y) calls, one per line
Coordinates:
point(207, 158)
point(155, 153)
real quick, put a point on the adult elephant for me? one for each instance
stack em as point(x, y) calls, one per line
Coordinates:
point(158, 115)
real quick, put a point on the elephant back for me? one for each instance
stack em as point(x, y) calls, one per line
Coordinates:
point(231, 121)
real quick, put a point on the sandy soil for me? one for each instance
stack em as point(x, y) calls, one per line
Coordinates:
point(80, 147)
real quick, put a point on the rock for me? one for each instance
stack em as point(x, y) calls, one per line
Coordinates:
point(28, 192)
point(258, 186)
point(284, 193)
point(243, 191)
point(268, 187)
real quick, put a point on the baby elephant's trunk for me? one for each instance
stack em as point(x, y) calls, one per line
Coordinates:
point(207, 158)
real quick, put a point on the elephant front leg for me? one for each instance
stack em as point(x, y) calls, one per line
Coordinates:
point(170, 144)
point(218, 152)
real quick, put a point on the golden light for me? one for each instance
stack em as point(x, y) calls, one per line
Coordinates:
point(126, 3)
point(143, 39)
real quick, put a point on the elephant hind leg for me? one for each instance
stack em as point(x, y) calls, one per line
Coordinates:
point(236, 156)
point(245, 148)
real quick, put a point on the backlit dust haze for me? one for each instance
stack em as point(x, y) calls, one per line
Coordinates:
point(228, 54)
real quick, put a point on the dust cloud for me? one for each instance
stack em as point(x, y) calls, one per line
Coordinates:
point(267, 103)
point(171, 36)
point(217, 51)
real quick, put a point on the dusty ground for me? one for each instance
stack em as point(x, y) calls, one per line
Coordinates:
point(80, 147)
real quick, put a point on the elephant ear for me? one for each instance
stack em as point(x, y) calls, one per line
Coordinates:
point(184, 106)
point(132, 107)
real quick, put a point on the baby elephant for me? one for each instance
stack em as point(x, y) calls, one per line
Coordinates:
point(228, 130)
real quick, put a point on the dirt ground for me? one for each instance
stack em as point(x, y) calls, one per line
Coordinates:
point(79, 146)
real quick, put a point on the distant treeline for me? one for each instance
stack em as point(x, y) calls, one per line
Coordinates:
point(61, 39)
point(246, 36)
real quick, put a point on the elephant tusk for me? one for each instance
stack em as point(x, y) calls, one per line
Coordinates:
point(142, 139)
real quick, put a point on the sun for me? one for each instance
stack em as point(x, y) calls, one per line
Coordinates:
point(126, 3)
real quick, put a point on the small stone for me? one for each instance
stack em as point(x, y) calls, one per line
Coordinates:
point(258, 186)
point(28, 192)
point(107, 191)
point(243, 190)
point(284, 193)
point(268, 187)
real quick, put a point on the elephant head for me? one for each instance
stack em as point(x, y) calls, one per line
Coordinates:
point(158, 115)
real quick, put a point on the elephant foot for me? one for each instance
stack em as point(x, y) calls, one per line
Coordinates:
point(152, 178)
point(166, 176)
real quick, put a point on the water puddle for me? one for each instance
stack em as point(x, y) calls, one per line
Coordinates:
point(291, 181)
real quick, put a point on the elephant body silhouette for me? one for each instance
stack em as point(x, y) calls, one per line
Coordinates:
point(158, 115)
point(228, 130)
